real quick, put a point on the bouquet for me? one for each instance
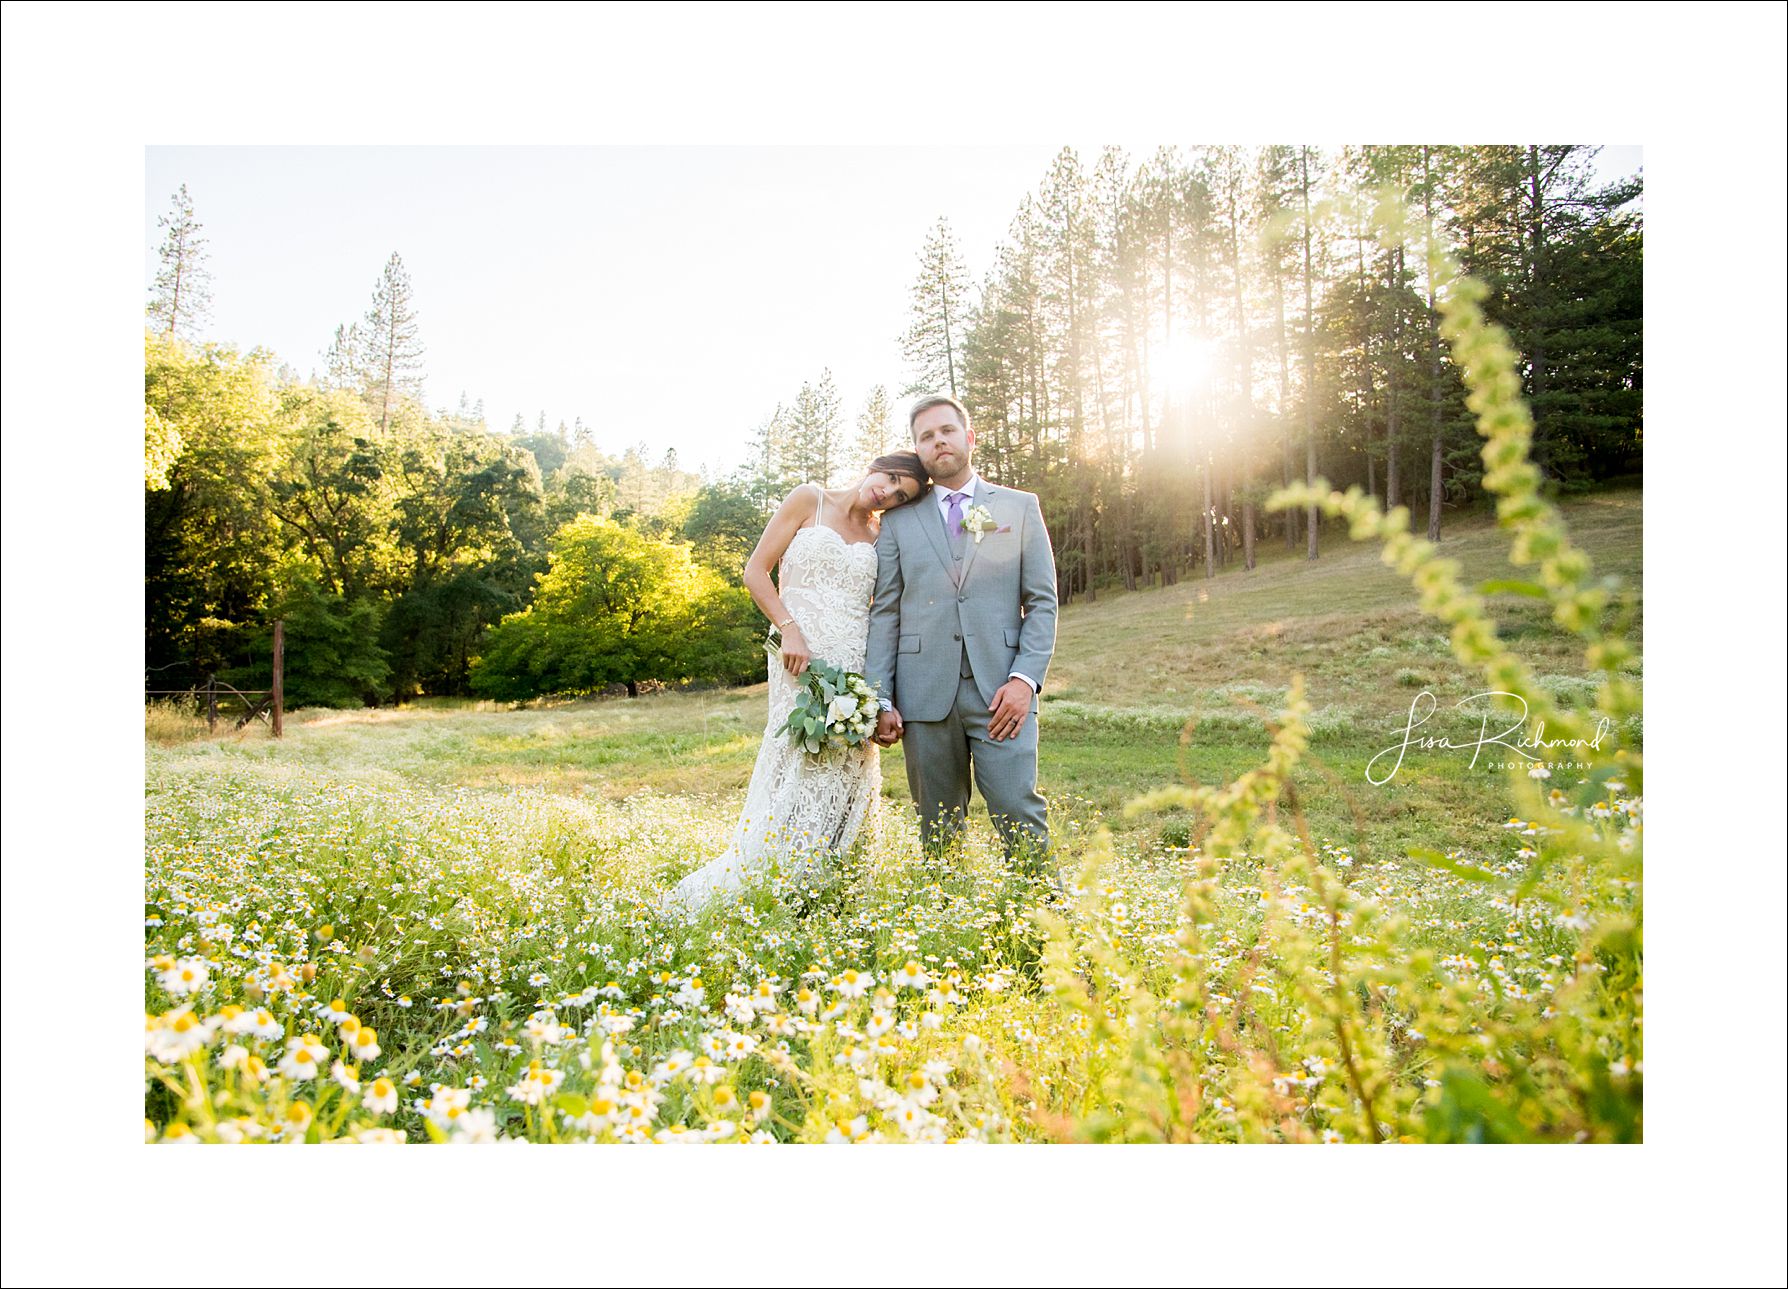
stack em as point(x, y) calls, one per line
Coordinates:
point(834, 709)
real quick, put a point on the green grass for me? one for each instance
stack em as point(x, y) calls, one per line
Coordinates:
point(453, 865)
point(1130, 671)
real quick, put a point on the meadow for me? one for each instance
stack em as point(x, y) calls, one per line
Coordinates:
point(438, 922)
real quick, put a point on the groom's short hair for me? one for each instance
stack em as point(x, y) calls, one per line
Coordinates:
point(936, 400)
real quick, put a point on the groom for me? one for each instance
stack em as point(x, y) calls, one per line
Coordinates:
point(960, 635)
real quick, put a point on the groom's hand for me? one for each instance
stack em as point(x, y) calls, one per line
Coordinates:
point(1011, 704)
point(889, 728)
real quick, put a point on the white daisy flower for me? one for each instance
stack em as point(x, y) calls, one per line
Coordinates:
point(475, 1128)
point(303, 1058)
point(739, 1046)
point(673, 1066)
point(704, 1070)
point(261, 1024)
point(186, 976)
point(381, 1097)
point(852, 983)
point(447, 1105)
point(849, 1131)
point(911, 976)
point(238, 1129)
point(916, 1088)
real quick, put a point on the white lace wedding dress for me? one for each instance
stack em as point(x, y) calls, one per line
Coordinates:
point(799, 808)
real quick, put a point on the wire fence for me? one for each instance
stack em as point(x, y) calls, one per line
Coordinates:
point(216, 695)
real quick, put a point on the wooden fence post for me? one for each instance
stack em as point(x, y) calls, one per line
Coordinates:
point(211, 701)
point(279, 677)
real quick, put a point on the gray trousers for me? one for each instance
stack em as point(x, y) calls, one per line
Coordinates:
point(939, 756)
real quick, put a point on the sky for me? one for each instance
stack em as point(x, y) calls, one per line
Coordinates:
point(666, 295)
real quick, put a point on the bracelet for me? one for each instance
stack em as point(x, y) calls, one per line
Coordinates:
point(786, 621)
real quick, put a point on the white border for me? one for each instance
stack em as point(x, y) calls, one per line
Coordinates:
point(86, 87)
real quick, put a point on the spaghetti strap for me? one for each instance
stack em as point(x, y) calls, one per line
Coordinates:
point(819, 514)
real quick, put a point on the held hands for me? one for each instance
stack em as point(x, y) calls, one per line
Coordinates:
point(795, 653)
point(1011, 704)
point(889, 728)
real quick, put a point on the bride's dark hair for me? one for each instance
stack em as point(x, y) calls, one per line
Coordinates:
point(904, 463)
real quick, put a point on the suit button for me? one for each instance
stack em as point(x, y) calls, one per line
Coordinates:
point(962, 599)
point(956, 635)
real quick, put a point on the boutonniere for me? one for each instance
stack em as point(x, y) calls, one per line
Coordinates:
point(979, 521)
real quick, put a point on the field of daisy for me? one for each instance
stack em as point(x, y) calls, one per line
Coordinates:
point(438, 923)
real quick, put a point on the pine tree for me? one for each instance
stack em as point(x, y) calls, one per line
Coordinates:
point(1122, 244)
point(814, 445)
point(1577, 315)
point(1011, 411)
point(1433, 167)
point(393, 350)
point(1328, 348)
point(1275, 168)
point(875, 436)
point(344, 364)
point(830, 431)
point(1228, 178)
point(994, 378)
point(182, 291)
point(1068, 242)
point(1304, 185)
point(769, 459)
point(932, 344)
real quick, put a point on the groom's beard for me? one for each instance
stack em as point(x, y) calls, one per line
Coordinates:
point(956, 466)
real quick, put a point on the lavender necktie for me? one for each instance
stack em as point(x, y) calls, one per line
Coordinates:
point(955, 521)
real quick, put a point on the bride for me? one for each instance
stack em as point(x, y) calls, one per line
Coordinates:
point(798, 807)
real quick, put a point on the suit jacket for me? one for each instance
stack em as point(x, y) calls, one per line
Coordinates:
point(1001, 608)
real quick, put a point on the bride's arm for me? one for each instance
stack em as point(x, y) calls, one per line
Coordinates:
point(780, 531)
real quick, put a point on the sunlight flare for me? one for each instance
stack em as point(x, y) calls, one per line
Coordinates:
point(1189, 363)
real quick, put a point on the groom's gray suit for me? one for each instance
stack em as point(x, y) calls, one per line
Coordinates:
point(950, 623)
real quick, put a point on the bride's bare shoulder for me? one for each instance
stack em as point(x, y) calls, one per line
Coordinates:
point(802, 501)
point(798, 509)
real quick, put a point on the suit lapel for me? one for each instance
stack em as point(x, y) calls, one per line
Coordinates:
point(983, 497)
point(932, 521)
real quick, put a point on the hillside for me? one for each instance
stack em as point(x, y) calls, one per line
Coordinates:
point(1130, 670)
